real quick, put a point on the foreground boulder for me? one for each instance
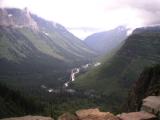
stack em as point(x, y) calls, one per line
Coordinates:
point(151, 104)
point(137, 116)
point(148, 84)
point(29, 118)
point(95, 114)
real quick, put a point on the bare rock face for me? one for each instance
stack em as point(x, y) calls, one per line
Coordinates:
point(95, 114)
point(137, 116)
point(17, 18)
point(86, 112)
point(29, 118)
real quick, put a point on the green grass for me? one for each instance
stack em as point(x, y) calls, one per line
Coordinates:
point(40, 42)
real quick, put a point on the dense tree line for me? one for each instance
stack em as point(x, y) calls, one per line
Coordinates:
point(13, 103)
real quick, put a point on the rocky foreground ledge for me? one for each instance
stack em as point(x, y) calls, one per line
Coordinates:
point(96, 114)
point(150, 110)
point(88, 114)
point(92, 114)
point(29, 118)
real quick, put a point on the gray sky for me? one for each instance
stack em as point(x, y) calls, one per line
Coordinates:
point(83, 17)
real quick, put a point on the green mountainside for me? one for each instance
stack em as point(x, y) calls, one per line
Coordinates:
point(115, 77)
point(148, 84)
point(34, 51)
point(14, 104)
point(47, 37)
point(37, 56)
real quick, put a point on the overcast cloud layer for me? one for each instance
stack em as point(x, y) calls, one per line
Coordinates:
point(83, 17)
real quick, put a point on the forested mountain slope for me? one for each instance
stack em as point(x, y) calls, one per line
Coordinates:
point(34, 51)
point(116, 76)
point(13, 103)
point(148, 84)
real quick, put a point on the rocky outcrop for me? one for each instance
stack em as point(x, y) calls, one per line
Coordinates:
point(151, 104)
point(17, 18)
point(150, 110)
point(29, 118)
point(137, 116)
point(147, 85)
point(82, 114)
point(89, 114)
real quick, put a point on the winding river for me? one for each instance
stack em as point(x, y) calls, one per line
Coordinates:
point(72, 76)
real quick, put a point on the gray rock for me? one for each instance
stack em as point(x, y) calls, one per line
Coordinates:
point(151, 104)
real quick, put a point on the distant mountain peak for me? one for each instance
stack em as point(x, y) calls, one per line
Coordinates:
point(104, 42)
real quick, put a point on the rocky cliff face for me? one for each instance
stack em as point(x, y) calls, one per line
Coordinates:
point(147, 85)
point(17, 18)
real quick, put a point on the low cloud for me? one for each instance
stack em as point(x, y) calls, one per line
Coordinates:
point(94, 15)
point(148, 10)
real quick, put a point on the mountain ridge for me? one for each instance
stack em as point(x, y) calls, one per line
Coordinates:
point(35, 51)
point(57, 36)
point(104, 42)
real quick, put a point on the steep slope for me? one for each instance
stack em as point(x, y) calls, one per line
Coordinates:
point(148, 84)
point(48, 37)
point(115, 77)
point(70, 46)
point(104, 42)
point(34, 51)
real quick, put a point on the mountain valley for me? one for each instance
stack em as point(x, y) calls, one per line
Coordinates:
point(48, 71)
point(36, 50)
